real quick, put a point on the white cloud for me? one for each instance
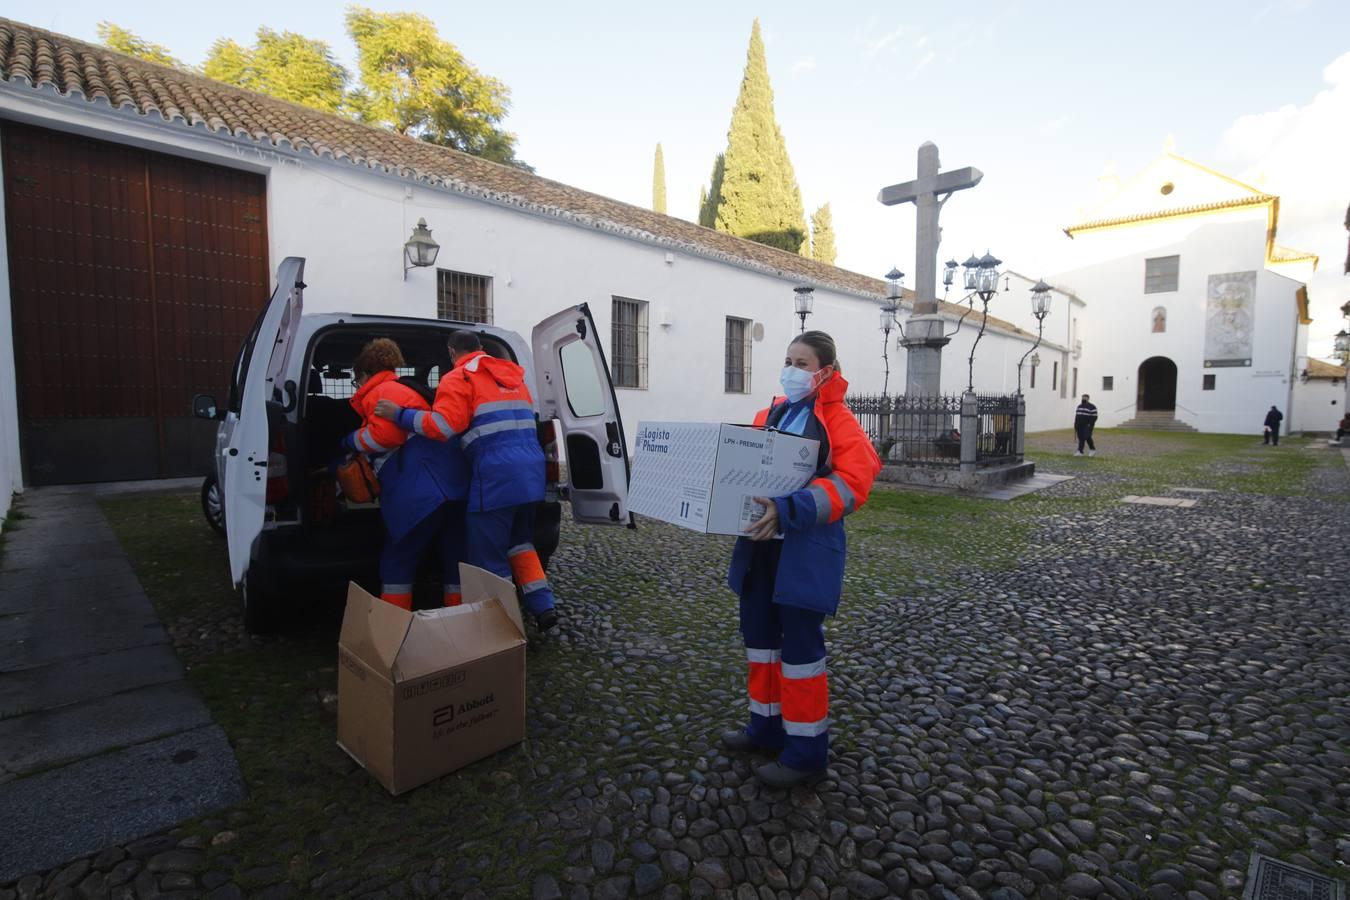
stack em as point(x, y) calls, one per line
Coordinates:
point(1054, 126)
point(924, 61)
point(1298, 152)
point(807, 64)
point(873, 44)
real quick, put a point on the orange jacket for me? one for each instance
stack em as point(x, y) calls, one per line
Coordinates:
point(852, 460)
point(378, 435)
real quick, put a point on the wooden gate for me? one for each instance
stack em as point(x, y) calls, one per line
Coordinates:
point(134, 278)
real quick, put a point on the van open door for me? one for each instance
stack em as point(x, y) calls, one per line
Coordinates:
point(574, 387)
point(243, 445)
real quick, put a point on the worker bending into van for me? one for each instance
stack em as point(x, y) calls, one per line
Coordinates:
point(423, 484)
point(485, 403)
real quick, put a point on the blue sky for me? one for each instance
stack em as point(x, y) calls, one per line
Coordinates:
point(1038, 95)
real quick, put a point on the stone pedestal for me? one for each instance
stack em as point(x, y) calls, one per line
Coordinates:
point(923, 343)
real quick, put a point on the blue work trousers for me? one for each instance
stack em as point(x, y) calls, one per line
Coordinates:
point(502, 542)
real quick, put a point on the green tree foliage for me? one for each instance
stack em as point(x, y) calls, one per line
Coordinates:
point(117, 38)
point(707, 205)
point(758, 197)
point(416, 83)
point(659, 182)
point(822, 236)
point(284, 65)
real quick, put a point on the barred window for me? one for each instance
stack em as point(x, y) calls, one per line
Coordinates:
point(1208, 383)
point(1108, 382)
point(737, 374)
point(1034, 367)
point(1160, 274)
point(628, 347)
point(461, 297)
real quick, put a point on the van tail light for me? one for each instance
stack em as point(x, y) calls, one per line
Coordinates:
point(548, 439)
point(278, 485)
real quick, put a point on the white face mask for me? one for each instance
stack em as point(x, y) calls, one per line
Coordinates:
point(797, 383)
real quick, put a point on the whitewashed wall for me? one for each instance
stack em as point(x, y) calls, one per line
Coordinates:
point(1318, 405)
point(1118, 336)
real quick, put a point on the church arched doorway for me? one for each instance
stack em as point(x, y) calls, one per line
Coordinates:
point(1157, 384)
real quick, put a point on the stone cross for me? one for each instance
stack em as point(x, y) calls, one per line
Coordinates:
point(923, 193)
point(925, 337)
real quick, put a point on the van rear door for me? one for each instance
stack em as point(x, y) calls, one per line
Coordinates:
point(574, 387)
point(243, 447)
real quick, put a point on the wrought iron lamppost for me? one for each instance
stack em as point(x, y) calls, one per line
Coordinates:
point(1343, 346)
point(894, 279)
point(981, 276)
point(420, 250)
point(803, 302)
point(1040, 308)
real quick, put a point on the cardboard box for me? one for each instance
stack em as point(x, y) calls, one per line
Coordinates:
point(424, 693)
point(703, 476)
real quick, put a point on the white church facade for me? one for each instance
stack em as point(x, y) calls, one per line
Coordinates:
point(1197, 314)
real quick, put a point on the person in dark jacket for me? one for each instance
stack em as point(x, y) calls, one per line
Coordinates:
point(1084, 420)
point(1272, 432)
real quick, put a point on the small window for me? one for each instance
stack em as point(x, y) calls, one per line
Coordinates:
point(1167, 188)
point(1075, 381)
point(1108, 382)
point(737, 368)
point(461, 297)
point(1034, 367)
point(1159, 320)
point(628, 339)
point(582, 382)
point(1160, 274)
point(1209, 383)
point(1054, 377)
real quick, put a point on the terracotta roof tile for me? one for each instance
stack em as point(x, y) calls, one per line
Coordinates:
point(1319, 369)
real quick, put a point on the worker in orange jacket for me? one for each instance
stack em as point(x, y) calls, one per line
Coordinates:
point(485, 403)
point(423, 484)
point(789, 569)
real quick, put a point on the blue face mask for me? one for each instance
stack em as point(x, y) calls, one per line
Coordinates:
point(797, 383)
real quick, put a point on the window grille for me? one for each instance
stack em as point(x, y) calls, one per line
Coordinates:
point(461, 297)
point(737, 372)
point(1160, 274)
point(629, 343)
point(1208, 383)
point(1108, 382)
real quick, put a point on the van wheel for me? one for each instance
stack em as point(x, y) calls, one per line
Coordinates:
point(259, 602)
point(213, 505)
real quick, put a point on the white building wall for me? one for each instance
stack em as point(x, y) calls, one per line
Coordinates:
point(1118, 336)
point(1318, 405)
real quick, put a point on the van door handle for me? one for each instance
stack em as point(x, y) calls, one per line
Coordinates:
point(615, 447)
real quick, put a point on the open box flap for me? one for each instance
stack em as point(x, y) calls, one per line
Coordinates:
point(373, 630)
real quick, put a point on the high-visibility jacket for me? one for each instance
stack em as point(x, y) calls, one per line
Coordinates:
point(416, 475)
point(485, 401)
point(811, 568)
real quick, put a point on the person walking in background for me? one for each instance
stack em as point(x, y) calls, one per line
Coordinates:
point(1272, 432)
point(1084, 420)
point(1343, 428)
point(788, 569)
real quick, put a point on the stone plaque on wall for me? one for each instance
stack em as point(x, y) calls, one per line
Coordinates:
point(1230, 319)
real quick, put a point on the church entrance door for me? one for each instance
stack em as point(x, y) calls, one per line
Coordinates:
point(1157, 384)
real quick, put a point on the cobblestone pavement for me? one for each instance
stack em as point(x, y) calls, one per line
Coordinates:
point(1061, 696)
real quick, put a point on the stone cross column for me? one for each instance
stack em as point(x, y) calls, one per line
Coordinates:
point(924, 331)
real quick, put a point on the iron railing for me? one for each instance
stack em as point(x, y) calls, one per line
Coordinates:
point(926, 431)
point(999, 422)
point(922, 431)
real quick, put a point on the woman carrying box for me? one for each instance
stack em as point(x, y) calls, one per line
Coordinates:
point(789, 568)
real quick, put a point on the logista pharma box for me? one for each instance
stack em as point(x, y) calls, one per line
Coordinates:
point(703, 475)
point(423, 693)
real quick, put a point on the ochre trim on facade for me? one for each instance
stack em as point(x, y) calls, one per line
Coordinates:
point(1301, 298)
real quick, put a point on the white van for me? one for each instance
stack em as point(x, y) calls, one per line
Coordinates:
point(289, 407)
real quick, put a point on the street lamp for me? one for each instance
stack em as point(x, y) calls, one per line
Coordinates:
point(948, 274)
point(895, 279)
point(1040, 308)
point(420, 250)
point(981, 276)
point(803, 302)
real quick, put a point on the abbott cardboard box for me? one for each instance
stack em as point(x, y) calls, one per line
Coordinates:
point(423, 693)
point(703, 476)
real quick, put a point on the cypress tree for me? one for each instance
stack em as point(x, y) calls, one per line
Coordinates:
point(707, 206)
point(659, 182)
point(757, 195)
point(702, 202)
point(822, 236)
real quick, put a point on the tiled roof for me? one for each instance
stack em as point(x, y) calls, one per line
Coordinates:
point(1281, 254)
point(78, 69)
point(1175, 213)
point(37, 58)
point(1319, 369)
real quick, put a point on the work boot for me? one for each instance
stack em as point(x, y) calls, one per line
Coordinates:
point(1092, 453)
point(1078, 453)
point(546, 620)
point(777, 775)
point(738, 741)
